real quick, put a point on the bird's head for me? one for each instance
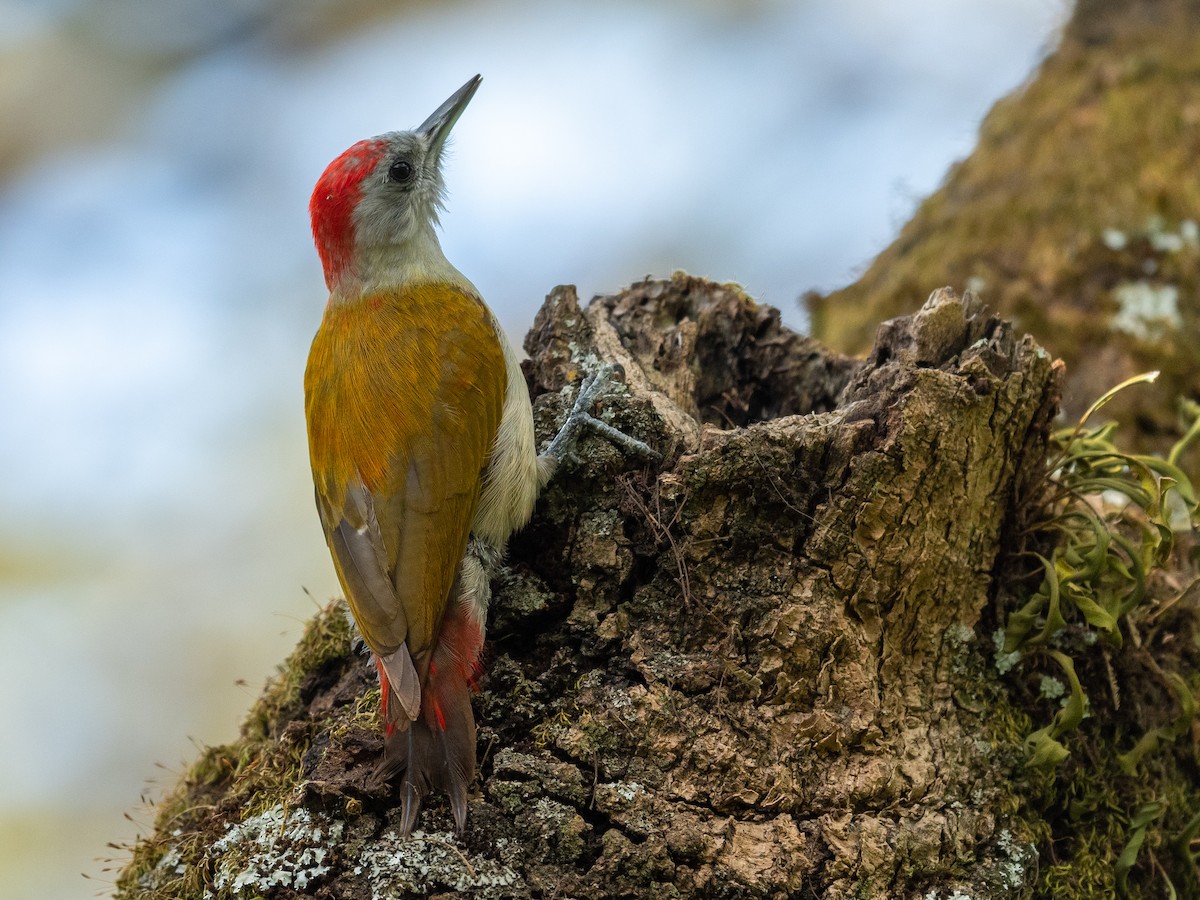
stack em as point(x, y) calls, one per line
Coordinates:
point(378, 202)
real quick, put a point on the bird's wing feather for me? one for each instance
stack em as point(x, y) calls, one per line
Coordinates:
point(358, 546)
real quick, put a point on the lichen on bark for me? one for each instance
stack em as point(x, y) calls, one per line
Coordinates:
point(753, 669)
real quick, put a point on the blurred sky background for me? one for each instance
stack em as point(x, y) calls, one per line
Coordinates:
point(159, 289)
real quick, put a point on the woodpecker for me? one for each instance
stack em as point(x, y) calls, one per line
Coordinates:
point(422, 446)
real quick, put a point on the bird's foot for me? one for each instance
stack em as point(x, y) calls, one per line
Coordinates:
point(591, 388)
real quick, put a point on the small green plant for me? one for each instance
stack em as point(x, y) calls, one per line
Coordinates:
point(1112, 520)
point(1109, 520)
point(1147, 815)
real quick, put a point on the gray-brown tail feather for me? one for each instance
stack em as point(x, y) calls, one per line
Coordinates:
point(433, 757)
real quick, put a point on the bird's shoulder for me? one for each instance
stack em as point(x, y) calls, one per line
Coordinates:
point(419, 363)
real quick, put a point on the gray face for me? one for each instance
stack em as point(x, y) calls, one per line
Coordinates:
point(402, 195)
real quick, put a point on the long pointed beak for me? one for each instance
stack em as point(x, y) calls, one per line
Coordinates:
point(437, 127)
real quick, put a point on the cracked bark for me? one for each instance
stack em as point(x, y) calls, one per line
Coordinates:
point(755, 669)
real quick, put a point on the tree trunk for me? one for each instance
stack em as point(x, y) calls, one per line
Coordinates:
point(1076, 216)
point(756, 669)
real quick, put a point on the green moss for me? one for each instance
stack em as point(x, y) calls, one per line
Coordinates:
point(234, 782)
point(1091, 806)
point(326, 638)
point(1079, 817)
point(594, 736)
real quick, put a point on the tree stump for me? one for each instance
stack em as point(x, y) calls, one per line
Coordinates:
point(758, 668)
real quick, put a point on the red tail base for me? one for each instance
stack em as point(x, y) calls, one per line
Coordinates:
point(438, 749)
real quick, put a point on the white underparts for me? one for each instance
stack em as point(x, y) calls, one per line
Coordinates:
point(511, 481)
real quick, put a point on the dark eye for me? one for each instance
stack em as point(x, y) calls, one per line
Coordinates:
point(401, 171)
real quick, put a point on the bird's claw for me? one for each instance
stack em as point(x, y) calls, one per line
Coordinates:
point(591, 388)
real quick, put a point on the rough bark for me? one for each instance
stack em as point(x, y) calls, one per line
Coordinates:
point(756, 669)
point(1075, 216)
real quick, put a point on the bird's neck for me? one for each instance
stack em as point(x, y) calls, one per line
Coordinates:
point(418, 259)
